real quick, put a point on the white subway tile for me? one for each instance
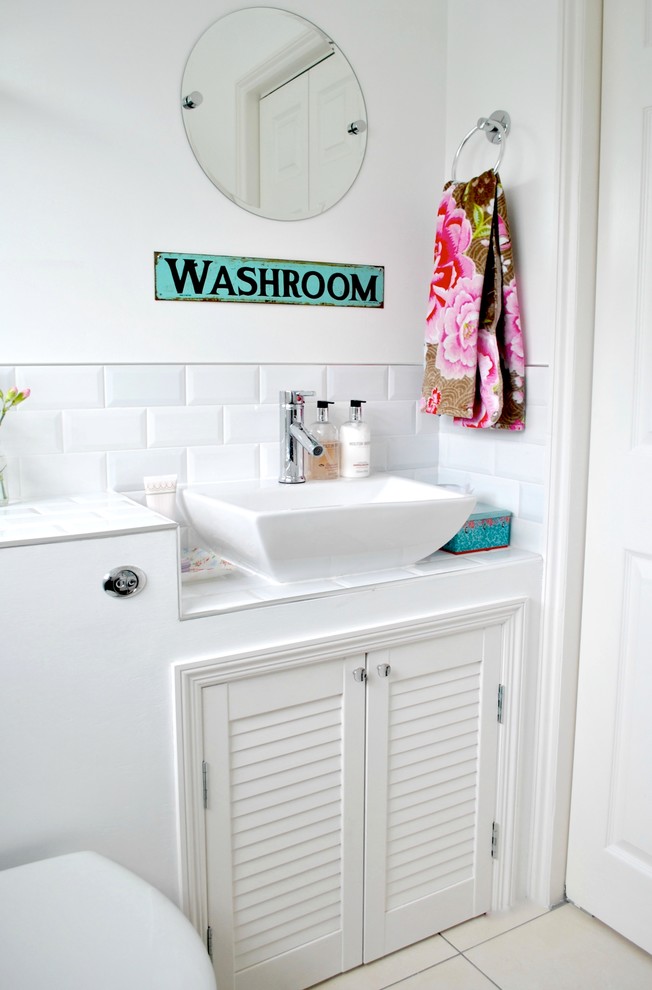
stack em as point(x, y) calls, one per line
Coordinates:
point(11, 479)
point(104, 429)
point(426, 422)
point(54, 387)
point(222, 463)
point(145, 385)
point(31, 432)
point(451, 476)
point(378, 455)
point(446, 424)
point(527, 535)
point(219, 384)
point(7, 378)
point(427, 475)
point(62, 474)
point(523, 461)
point(532, 503)
point(405, 381)
point(127, 468)
point(346, 382)
point(465, 451)
point(501, 492)
point(278, 377)
point(184, 426)
point(270, 460)
point(411, 452)
point(538, 385)
point(251, 424)
point(390, 419)
point(538, 426)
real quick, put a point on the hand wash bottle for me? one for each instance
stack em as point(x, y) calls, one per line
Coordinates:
point(327, 465)
point(355, 444)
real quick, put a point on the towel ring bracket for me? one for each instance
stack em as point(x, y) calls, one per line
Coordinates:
point(496, 128)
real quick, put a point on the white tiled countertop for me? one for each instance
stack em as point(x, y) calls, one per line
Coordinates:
point(231, 589)
point(49, 520)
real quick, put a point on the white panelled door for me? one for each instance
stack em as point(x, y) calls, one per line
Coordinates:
point(610, 852)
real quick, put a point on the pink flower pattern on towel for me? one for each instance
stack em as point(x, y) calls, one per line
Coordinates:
point(475, 361)
point(454, 234)
point(456, 325)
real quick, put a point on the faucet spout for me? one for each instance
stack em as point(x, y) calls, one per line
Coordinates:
point(306, 439)
point(294, 438)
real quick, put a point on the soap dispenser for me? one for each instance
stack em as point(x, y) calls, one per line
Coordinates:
point(355, 444)
point(327, 465)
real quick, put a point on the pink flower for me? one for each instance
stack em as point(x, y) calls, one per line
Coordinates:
point(454, 235)
point(433, 400)
point(457, 329)
point(11, 398)
point(512, 335)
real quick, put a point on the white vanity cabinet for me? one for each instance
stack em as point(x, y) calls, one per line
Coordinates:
point(349, 798)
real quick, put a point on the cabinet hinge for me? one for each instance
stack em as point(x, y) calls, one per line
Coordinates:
point(204, 783)
point(501, 703)
point(494, 840)
point(209, 941)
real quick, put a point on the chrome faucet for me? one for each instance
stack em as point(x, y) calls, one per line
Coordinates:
point(294, 438)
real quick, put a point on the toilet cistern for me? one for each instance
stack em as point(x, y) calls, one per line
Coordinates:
point(294, 437)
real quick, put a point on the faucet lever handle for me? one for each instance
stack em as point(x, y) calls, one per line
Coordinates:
point(292, 396)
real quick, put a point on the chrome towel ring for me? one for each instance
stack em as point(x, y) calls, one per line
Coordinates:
point(496, 129)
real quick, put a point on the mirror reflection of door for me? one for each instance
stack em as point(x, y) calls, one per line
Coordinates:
point(267, 75)
point(307, 154)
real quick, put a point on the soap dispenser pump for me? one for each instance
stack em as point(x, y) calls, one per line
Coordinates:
point(355, 444)
point(327, 466)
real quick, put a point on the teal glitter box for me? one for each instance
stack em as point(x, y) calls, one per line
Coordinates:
point(486, 529)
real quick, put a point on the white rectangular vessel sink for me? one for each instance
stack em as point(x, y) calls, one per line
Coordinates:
point(325, 528)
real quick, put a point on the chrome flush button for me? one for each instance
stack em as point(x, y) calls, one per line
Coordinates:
point(124, 581)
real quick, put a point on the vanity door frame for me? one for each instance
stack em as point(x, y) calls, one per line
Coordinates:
point(510, 621)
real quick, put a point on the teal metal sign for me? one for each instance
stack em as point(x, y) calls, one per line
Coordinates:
point(219, 278)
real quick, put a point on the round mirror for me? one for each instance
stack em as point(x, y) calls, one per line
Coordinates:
point(274, 113)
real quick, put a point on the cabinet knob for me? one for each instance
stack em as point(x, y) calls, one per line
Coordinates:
point(384, 669)
point(360, 674)
point(124, 581)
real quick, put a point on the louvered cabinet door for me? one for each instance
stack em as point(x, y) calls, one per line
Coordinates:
point(431, 784)
point(284, 825)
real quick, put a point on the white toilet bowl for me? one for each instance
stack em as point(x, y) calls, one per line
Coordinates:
point(81, 922)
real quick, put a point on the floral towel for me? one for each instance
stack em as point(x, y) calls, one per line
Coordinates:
point(475, 368)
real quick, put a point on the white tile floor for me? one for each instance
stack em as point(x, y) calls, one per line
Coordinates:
point(523, 949)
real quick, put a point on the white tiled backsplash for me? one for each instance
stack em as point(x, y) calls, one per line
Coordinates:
point(86, 428)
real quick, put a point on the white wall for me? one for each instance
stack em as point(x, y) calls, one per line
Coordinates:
point(98, 174)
